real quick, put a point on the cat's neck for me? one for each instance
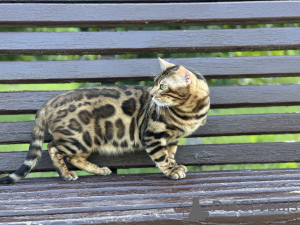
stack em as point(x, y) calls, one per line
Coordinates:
point(196, 100)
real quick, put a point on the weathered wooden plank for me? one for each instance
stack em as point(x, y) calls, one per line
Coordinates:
point(155, 216)
point(254, 96)
point(250, 125)
point(112, 183)
point(187, 155)
point(106, 194)
point(221, 97)
point(215, 126)
point(32, 100)
point(156, 14)
point(207, 178)
point(149, 41)
point(145, 69)
point(151, 203)
point(86, 196)
point(161, 204)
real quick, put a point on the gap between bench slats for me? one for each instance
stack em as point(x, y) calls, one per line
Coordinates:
point(156, 14)
point(221, 97)
point(38, 43)
point(215, 126)
point(187, 155)
point(145, 69)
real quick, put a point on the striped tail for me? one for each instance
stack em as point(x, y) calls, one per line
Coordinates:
point(35, 150)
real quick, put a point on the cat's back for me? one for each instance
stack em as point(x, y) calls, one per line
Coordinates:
point(98, 114)
point(110, 97)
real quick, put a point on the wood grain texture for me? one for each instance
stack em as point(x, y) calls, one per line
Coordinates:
point(148, 14)
point(215, 126)
point(150, 198)
point(221, 97)
point(149, 41)
point(187, 155)
point(145, 69)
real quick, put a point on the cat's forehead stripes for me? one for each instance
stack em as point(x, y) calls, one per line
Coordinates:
point(165, 73)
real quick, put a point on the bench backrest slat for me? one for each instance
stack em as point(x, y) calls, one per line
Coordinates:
point(38, 43)
point(147, 14)
point(227, 125)
point(221, 97)
point(19, 72)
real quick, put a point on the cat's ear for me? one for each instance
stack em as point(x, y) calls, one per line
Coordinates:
point(164, 64)
point(184, 74)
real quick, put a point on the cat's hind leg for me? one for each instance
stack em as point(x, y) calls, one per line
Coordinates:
point(57, 158)
point(81, 163)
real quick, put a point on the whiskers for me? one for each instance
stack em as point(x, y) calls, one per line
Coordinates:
point(160, 108)
point(149, 105)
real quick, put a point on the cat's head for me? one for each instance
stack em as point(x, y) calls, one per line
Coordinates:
point(176, 84)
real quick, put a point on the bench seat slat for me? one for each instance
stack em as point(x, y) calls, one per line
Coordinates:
point(221, 97)
point(145, 69)
point(270, 176)
point(38, 43)
point(156, 197)
point(188, 155)
point(157, 14)
point(150, 202)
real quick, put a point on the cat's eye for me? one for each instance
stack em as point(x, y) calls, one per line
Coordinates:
point(163, 86)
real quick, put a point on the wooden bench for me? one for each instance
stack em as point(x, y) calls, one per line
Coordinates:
point(262, 196)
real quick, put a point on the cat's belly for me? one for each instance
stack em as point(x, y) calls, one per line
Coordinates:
point(119, 147)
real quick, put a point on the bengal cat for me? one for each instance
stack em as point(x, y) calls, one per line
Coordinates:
point(117, 119)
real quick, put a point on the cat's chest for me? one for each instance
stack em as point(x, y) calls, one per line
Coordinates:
point(175, 133)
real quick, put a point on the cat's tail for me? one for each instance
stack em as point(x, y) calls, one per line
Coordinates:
point(35, 149)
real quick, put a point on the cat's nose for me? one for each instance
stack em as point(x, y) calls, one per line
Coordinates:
point(151, 95)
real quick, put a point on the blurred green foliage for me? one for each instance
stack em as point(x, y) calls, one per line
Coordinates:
point(212, 82)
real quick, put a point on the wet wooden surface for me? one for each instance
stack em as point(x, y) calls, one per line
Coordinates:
point(151, 197)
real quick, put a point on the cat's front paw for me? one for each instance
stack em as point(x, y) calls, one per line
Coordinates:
point(70, 176)
point(178, 173)
point(183, 168)
point(104, 171)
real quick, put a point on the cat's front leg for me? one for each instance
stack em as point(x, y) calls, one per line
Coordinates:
point(158, 151)
point(172, 149)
